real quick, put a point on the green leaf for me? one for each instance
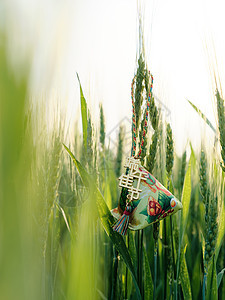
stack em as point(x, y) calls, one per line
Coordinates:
point(220, 277)
point(211, 288)
point(196, 273)
point(132, 248)
point(186, 198)
point(193, 156)
point(64, 216)
point(83, 114)
point(107, 219)
point(202, 116)
point(184, 276)
point(148, 283)
point(101, 295)
point(221, 231)
point(107, 195)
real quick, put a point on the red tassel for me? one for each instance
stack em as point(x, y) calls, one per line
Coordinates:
point(121, 225)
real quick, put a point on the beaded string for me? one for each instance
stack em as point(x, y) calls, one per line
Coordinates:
point(134, 137)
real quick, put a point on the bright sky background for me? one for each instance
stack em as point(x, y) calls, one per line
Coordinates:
point(98, 39)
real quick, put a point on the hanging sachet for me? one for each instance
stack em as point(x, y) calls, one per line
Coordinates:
point(144, 199)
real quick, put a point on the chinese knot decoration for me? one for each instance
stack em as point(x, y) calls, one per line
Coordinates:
point(148, 201)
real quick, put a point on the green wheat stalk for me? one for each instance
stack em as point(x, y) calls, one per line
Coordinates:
point(169, 256)
point(221, 122)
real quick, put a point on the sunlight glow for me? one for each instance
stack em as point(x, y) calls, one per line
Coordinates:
point(184, 47)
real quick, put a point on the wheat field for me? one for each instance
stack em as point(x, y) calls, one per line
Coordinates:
point(56, 193)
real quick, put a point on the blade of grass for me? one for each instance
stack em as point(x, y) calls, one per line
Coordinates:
point(186, 197)
point(115, 275)
point(196, 273)
point(202, 116)
point(184, 276)
point(165, 254)
point(107, 220)
point(83, 114)
point(148, 283)
point(220, 277)
point(19, 237)
point(141, 263)
point(221, 231)
point(64, 216)
point(132, 249)
point(126, 274)
point(155, 266)
point(133, 253)
point(211, 290)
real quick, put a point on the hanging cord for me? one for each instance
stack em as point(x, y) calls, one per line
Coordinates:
point(122, 223)
point(134, 138)
point(134, 129)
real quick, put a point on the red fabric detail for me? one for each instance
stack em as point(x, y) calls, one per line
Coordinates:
point(154, 208)
point(127, 213)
